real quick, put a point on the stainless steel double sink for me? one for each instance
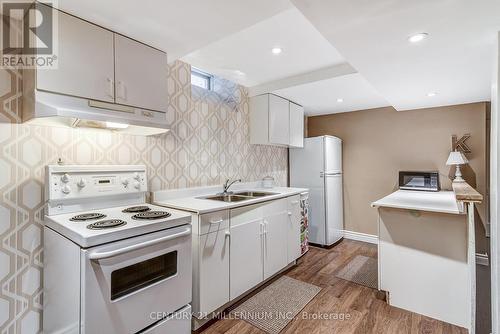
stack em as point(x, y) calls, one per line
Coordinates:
point(239, 196)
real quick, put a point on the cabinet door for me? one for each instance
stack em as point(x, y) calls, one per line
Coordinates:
point(279, 120)
point(214, 270)
point(296, 125)
point(259, 119)
point(293, 228)
point(141, 75)
point(85, 61)
point(246, 263)
point(275, 243)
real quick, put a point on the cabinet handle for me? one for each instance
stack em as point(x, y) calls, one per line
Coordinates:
point(121, 90)
point(111, 87)
point(147, 113)
point(220, 221)
point(227, 234)
point(289, 213)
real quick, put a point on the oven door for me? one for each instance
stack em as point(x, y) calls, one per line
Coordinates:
point(126, 283)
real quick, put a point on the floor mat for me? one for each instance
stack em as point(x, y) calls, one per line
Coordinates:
point(277, 304)
point(361, 270)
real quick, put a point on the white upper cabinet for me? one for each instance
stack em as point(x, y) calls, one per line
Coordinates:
point(276, 121)
point(279, 118)
point(85, 61)
point(296, 125)
point(141, 75)
point(259, 120)
point(97, 64)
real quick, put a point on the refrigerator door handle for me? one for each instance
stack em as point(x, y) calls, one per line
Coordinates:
point(323, 174)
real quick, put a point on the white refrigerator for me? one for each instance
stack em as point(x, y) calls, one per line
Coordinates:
point(318, 167)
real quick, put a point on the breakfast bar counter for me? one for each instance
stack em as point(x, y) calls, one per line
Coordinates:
point(426, 254)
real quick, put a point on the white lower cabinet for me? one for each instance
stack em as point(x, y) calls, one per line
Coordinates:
point(293, 228)
point(275, 243)
point(240, 248)
point(213, 268)
point(246, 261)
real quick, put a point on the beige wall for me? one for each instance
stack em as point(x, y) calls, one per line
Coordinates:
point(379, 143)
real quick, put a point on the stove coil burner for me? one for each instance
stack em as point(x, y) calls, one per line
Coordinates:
point(87, 216)
point(104, 224)
point(151, 215)
point(135, 209)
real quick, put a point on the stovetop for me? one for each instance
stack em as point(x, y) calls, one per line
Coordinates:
point(101, 226)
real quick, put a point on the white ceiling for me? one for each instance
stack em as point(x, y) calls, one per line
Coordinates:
point(176, 26)
point(233, 38)
point(245, 57)
point(320, 97)
point(455, 60)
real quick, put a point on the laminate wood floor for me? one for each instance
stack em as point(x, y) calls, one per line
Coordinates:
point(363, 313)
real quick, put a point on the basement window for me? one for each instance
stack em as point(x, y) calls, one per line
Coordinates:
point(201, 79)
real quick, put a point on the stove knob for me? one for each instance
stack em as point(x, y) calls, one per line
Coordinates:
point(81, 183)
point(66, 189)
point(137, 185)
point(137, 176)
point(65, 178)
point(125, 181)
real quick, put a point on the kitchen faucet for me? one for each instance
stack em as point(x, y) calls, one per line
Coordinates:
point(226, 185)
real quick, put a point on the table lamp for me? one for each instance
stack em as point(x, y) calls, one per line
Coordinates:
point(457, 158)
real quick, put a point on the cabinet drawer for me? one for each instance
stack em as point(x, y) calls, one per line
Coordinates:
point(274, 207)
point(245, 214)
point(179, 322)
point(212, 222)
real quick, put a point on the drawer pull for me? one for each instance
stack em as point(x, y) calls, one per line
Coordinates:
point(217, 222)
point(147, 113)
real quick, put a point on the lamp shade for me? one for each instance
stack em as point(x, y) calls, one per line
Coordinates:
point(456, 158)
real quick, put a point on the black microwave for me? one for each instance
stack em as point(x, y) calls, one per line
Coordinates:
point(423, 181)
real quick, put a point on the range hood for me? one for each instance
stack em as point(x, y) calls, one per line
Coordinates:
point(46, 108)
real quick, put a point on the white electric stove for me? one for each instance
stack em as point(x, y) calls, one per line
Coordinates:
point(100, 226)
point(112, 262)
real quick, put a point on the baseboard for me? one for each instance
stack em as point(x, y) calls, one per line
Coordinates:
point(358, 236)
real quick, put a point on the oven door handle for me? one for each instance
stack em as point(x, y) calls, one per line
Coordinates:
point(105, 255)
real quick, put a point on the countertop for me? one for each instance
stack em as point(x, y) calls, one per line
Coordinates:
point(194, 203)
point(441, 201)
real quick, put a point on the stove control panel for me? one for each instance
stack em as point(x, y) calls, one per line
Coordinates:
point(68, 182)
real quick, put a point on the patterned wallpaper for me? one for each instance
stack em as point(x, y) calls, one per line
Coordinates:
point(209, 142)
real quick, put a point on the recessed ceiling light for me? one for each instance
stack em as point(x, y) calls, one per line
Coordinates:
point(276, 50)
point(340, 100)
point(418, 37)
point(431, 94)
